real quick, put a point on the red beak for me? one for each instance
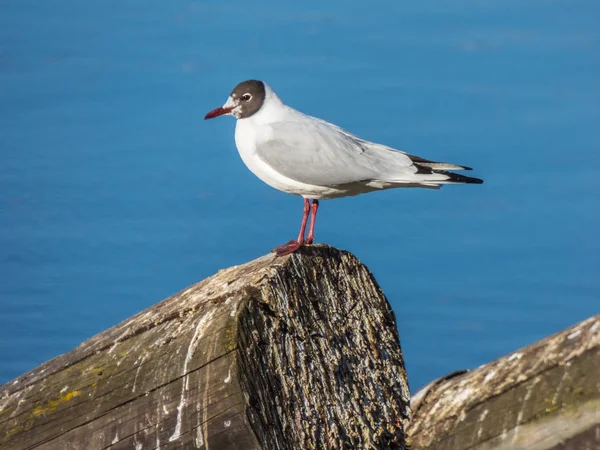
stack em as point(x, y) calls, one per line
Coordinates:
point(217, 112)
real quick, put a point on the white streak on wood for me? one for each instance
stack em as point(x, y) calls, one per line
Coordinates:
point(227, 423)
point(574, 334)
point(116, 439)
point(137, 372)
point(482, 417)
point(157, 428)
point(228, 379)
point(514, 356)
point(515, 432)
point(16, 396)
point(489, 376)
point(463, 395)
point(199, 437)
point(121, 360)
point(559, 387)
point(160, 341)
point(205, 399)
point(198, 332)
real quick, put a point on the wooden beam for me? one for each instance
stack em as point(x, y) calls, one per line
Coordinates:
point(544, 396)
point(300, 352)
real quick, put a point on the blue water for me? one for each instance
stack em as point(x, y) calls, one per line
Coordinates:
point(114, 193)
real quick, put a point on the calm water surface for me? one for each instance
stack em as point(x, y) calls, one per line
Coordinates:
point(114, 193)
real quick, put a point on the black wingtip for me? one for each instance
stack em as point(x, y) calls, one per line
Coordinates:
point(458, 178)
point(469, 180)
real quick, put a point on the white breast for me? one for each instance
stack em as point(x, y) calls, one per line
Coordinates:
point(245, 141)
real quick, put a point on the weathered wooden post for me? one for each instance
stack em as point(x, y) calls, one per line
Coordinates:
point(291, 353)
point(542, 397)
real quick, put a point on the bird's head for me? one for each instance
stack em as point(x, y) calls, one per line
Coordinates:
point(245, 100)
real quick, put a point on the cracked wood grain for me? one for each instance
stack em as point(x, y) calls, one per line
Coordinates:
point(542, 397)
point(278, 353)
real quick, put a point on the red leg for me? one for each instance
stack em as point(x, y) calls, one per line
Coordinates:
point(293, 245)
point(304, 220)
point(311, 231)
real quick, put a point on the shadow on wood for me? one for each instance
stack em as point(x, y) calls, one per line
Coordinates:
point(544, 396)
point(300, 352)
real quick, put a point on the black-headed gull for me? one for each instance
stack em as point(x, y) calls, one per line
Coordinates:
point(306, 156)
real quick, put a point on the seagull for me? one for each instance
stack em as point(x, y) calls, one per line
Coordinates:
point(302, 155)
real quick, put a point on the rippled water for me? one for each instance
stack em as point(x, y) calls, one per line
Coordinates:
point(114, 193)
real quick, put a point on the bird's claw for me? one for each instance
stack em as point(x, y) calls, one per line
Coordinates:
point(288, 248)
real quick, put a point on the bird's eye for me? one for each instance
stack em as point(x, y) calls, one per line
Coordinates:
point(246, 97)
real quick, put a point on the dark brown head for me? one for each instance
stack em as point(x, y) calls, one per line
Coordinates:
point(244, 101)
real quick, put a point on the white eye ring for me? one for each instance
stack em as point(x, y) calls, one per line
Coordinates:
point(246, 97)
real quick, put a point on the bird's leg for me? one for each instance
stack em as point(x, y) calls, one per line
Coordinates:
point(311, 230)
point(304, 220)
point(293, 245)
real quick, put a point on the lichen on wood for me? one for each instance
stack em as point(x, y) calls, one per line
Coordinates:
point(279, 353)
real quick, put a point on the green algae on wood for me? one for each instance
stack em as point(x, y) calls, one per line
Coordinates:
point(288, 353)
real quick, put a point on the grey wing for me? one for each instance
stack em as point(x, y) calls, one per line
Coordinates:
point(322, 154)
